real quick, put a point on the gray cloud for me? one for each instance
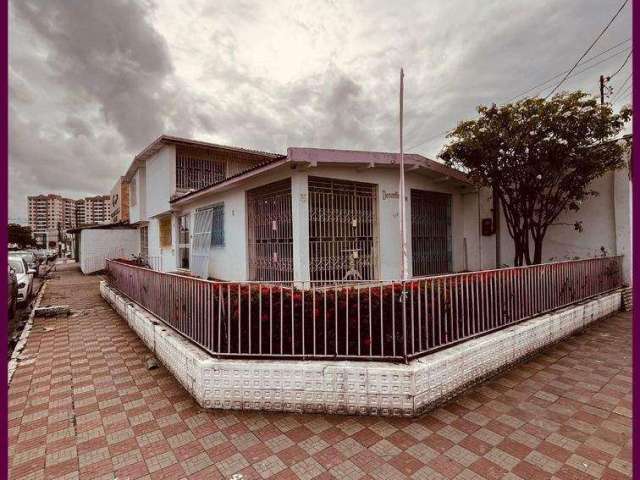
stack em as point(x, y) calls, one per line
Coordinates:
point(92, 82)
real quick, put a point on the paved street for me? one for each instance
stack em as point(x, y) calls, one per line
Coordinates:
point(83, 405)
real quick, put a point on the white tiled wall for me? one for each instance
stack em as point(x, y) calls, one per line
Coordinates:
point(367, 388)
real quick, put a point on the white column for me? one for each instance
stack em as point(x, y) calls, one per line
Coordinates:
point(300, 219)
point(622, 205)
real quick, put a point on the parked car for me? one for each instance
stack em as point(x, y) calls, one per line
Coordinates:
point(12, 289)
point(24, 275)
point(30, 258)
point(41, 255)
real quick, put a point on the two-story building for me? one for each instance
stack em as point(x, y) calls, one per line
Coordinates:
point(167, 169)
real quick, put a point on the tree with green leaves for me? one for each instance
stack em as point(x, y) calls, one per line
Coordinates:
point(20, 235)
point(539, 157)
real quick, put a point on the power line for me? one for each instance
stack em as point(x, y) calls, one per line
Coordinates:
point(606, 59)
point(621, 66)
point(621, 91)
point(583, 63)
point(544, 83)
point(588, 49)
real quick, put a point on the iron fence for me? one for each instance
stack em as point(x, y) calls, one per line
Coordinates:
point(392, 321)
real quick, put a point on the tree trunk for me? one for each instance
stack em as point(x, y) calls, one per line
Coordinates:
point(520, 249)
point(537, 250)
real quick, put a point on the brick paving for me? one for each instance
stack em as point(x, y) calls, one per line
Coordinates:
point(83, 405)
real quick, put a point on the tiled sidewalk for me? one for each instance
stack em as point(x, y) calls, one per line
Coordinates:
point(83, 405)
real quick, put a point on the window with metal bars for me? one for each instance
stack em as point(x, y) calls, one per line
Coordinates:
point(343, 230)
point(430, 232)
point(198, 168)
point(270, 232)
point(183, 242)
point(217, 227)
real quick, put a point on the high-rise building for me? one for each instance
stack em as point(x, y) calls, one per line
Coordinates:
point(50, 212)
point(97, 209)
point(51, 215)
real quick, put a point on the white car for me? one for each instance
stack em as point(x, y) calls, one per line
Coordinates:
point(24, 275)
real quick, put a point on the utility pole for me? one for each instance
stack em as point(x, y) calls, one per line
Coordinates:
point(403, 233)
point(601, 89)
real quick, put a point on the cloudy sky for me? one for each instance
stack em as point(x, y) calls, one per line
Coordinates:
point(94, 81)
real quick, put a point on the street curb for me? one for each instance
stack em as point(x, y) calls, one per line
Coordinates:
point(15, 357)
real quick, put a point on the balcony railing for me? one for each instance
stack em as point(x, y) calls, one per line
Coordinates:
point(391, 321)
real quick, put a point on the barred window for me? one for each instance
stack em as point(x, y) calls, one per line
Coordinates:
point(217, 227)
point(184, 242)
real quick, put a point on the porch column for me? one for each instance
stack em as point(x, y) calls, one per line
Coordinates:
point(300, 220)
point(622, 216)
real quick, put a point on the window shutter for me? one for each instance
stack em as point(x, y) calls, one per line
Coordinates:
point(165, 232)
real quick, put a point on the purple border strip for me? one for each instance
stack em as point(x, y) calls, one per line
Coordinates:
point(635, 165)
point(4, 212)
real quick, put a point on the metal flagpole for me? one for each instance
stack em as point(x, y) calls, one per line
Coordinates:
point(403, 229)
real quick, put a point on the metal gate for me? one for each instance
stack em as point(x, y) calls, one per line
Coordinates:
point(201, 242)
point(430, 232)
point(270, 232)
point(343, 230)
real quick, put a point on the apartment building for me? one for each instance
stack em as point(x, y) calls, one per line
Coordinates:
point(51, 215)
point(120, 201)
point(97, 209)
point(50, 211)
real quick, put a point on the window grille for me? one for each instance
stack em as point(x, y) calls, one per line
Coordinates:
point(270, 232)
point(343, 230)
point(183, 242)
point(198, 168)
point(217, 228)
point(430, 232)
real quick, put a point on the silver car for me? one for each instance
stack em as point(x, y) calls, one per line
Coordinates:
point(29, 257)
point(24, 275)
point(12, 290)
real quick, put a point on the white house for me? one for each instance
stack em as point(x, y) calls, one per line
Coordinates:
point(230, 213)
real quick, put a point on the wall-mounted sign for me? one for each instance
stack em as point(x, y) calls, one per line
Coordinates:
point(386, 195)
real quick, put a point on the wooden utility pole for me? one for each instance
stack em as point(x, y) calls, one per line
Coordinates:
point(403, 230)
point(601, 89)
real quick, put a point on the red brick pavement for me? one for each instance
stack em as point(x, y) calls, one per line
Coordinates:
point(83, 405)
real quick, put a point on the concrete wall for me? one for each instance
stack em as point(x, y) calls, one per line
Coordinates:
point(160, 180)
point(99, 244)
point(345, 387)
point(606, 222)
point(137, 210)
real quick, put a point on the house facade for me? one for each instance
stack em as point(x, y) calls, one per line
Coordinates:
point(167, 169)
point(324, 215)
